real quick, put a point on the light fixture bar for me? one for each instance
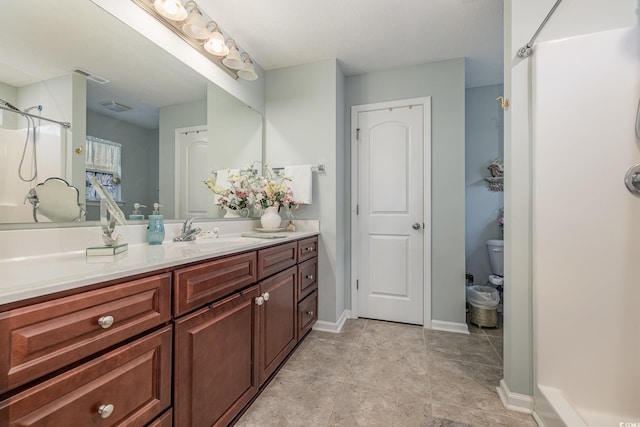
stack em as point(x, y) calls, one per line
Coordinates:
point(147, 6)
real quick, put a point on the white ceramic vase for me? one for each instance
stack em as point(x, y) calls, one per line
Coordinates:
point(270, 219)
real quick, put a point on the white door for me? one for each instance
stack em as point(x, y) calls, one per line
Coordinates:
point(391, 213)
point(191, 170)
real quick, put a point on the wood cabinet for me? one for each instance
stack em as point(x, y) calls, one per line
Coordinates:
point(205, 337)
point(216, 361)
point(41, 338)
point(278, 312)
point(200, 284)
point(130, 385)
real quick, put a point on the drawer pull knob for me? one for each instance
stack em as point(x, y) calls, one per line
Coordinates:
point(259, 300)
point(310, 277)
point(310, 249)
point(310, 313)
point(105, 411)
point(266, 296)
point(105, 322)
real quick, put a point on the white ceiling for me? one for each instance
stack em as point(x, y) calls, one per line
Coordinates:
point(367, 35)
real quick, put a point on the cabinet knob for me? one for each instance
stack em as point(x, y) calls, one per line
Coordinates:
point(266, 296)
point(105, 411)
point(310, 249)
point(105, 322)
point(310, 277)
point(259, 300)
point(310, 313)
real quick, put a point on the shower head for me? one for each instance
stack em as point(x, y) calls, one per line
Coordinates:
point(9, 105)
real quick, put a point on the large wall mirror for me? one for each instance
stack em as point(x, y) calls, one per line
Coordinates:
point(156, 128)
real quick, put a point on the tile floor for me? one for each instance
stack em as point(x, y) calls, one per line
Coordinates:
point(387, 374)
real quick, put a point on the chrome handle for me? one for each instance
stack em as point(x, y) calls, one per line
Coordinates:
point(105, 322)
point(259, 300)
point(266, 296)
point(310, 277)
point(416, 226)
point(105, 411)
point(310, 313)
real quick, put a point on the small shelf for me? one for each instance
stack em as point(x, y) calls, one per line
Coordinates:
point(496, 183)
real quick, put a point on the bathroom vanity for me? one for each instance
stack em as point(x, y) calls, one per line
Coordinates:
point(186, 343)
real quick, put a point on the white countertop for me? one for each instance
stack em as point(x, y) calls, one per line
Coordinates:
point(28, 277)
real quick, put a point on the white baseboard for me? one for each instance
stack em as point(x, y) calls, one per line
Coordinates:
point(441, 325)
point(324, 326)
point(514, 401)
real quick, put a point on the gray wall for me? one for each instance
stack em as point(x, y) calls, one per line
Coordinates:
point(444, 82)
point(483, 143)
point(302, 127)
point(139, 158)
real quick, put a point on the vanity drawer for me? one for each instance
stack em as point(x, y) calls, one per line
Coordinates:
point(307, 313)
point(201, 284)
point(307, 277)
point(135, 379)
point(42, 338)
point(307, 248)
point(276, 259)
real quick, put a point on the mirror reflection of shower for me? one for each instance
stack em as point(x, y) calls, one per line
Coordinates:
point(31, 150)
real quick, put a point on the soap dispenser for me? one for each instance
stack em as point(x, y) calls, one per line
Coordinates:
point(137, 214)
point(155, 229)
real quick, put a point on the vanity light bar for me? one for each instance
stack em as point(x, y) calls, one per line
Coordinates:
point(196, 43)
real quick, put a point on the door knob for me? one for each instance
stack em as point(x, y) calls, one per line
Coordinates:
point(266, 296)
point(259, 300)
point(416, 226)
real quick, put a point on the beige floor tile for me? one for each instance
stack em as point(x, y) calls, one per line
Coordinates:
point(322, 358)
point(497, 343)
point(467, 348)
point(293, 399)
point(464, 391)
point(387, 333)
point(478, 418)
point(487, 376)
point(359, 405)
point(393, 369)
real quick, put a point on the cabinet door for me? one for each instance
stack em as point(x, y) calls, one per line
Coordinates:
point(215, 361)
point(128, 386)
point(307, 314)
point(277, 320)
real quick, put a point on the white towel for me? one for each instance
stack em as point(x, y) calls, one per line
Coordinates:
point(222, 181)
point(301, 183)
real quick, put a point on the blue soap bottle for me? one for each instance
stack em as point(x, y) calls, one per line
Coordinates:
point(137, 214)
point(155, 229)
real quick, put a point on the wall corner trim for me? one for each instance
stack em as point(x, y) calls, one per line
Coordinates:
point(514, 401)
point(441, 325)
point(333, 327)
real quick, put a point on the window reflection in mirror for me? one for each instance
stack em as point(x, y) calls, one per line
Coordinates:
point(165, 95)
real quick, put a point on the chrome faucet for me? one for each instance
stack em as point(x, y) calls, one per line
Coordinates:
point(188, 234)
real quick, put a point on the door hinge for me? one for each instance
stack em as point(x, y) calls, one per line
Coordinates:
point(358, 133)
point(357, 285)
point(357, 209)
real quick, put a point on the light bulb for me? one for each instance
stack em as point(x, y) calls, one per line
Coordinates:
point(248, 72)
point(216, 45)
point(171, 9)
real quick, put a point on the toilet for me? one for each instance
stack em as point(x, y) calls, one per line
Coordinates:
point(496, 258)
